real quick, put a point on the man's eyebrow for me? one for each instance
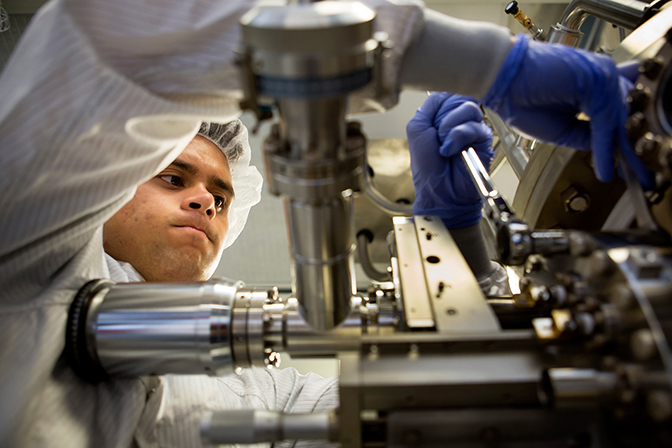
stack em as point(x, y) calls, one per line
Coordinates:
point(193, 170)
point(188, 167)
point(224, 185)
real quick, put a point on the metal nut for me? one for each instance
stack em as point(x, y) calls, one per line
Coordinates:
point(575, 199)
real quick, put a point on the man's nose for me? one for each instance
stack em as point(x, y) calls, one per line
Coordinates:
point(202, 200)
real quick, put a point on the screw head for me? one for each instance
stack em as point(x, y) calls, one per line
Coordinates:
point(575, 199)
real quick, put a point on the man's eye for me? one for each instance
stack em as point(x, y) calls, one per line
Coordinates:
point(176, 181)
point(219, 202)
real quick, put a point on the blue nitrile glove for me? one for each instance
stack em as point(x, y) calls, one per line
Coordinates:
point(444, 126)
point(541, 88)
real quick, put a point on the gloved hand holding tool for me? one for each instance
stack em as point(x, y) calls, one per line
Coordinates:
point(541, 88)
point(445, 125)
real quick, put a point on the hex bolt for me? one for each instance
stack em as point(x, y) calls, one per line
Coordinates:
point(575, 199)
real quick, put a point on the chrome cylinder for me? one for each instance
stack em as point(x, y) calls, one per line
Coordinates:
point(256, 426)
point(140, 329)
point(561, 34)
point(322, 239)
point(137, 329)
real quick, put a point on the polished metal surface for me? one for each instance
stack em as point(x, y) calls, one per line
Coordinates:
point(304, 59)
point(417, 304)
point(624, 13)
point(256, 426)
point(564, 35)
point(458, 304)
point(141, 329)
point(323, 245)
point(645, 41)
point(516, 155)
point(495, 206)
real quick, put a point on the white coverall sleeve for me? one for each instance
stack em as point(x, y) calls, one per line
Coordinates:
point(172, 416)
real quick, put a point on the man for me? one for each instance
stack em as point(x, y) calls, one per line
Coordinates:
point(175, 227)
point(99, 97)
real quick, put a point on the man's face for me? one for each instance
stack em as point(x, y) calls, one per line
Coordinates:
point(174, 227)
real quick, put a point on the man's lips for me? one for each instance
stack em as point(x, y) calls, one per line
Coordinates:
point(194, 229)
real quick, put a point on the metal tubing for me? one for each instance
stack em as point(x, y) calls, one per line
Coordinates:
point(623, 13)
point(389, 207)
point(322, 243)
point(365, 260)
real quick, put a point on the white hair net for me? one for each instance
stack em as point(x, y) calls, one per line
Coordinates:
point(231, 139)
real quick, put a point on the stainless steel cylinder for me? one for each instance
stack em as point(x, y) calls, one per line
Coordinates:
point(560, 34)
point(137, 329)
point(313, 130)
point(323, 246)
point(305, 59)
point(256, 426)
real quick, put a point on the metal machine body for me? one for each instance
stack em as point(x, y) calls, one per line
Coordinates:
point(304, 60)
point(579, 358)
